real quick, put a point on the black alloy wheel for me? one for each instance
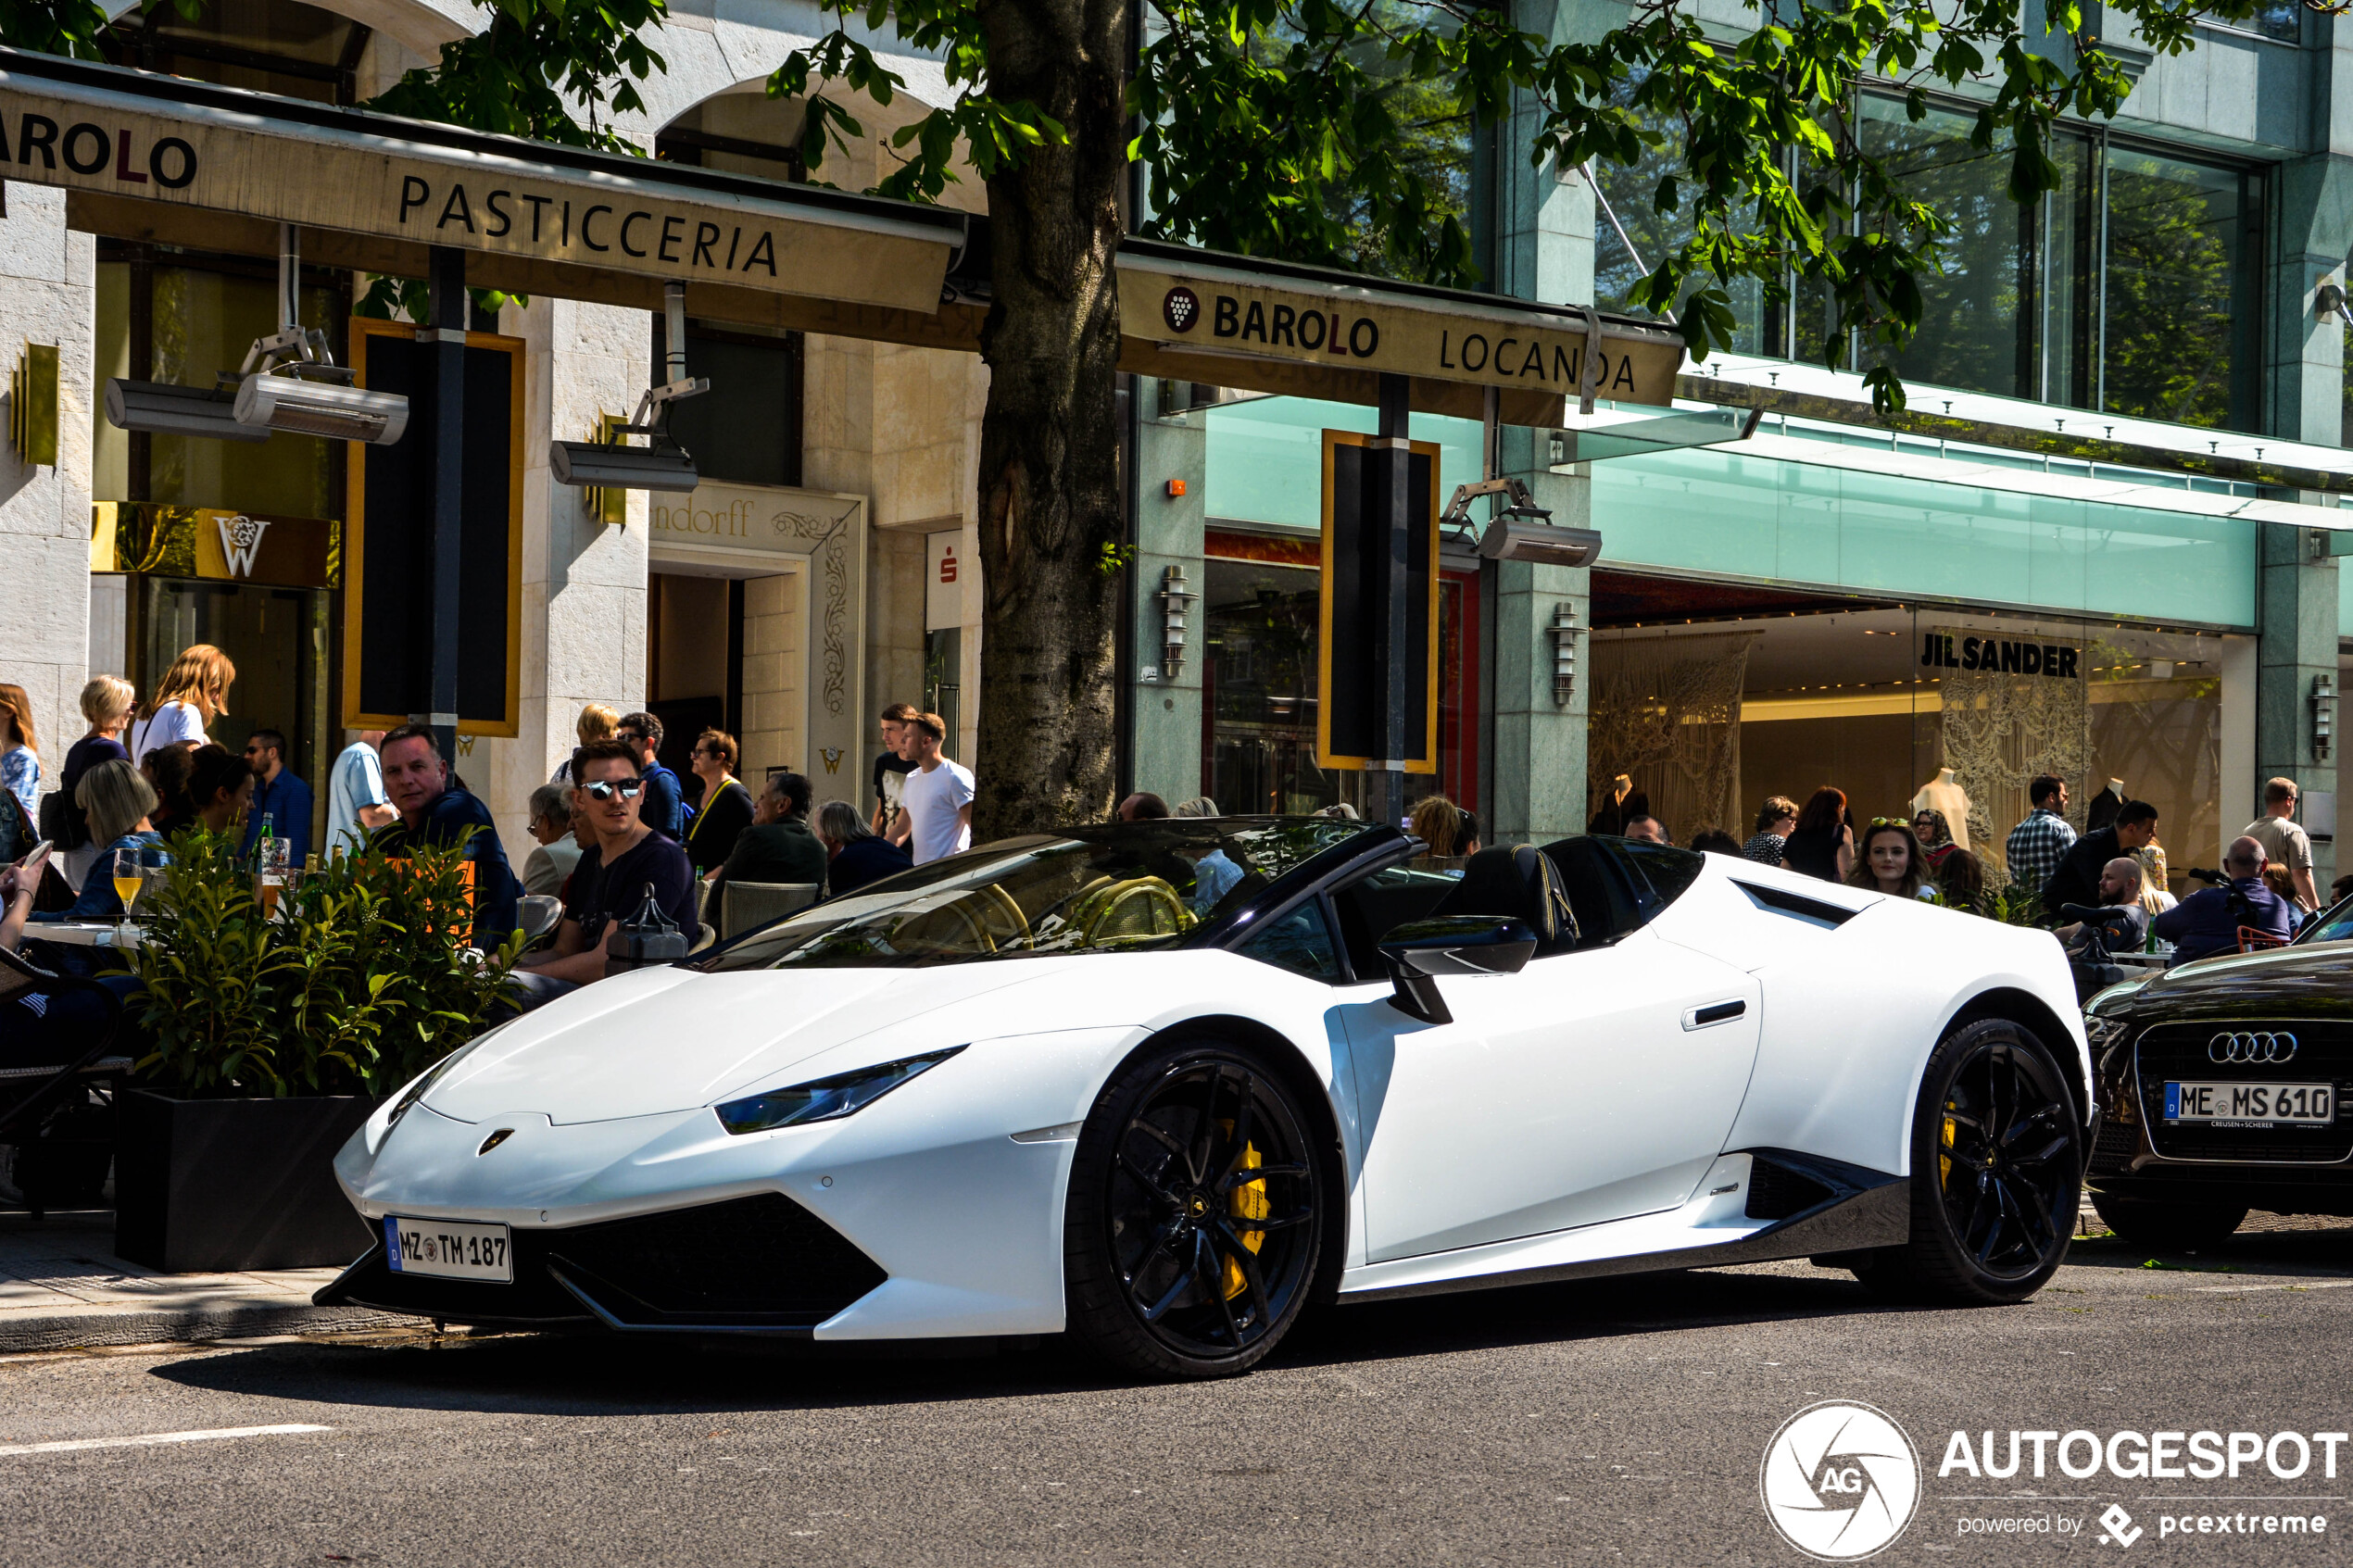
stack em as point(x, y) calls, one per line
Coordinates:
point(1998, 1168)
point(1195, 1219)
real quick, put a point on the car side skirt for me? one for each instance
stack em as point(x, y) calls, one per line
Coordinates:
point(1839, 1208)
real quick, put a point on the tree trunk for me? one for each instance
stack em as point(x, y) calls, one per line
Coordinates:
point(1049, 495)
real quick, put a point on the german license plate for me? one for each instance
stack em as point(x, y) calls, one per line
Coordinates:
point(2264, 1104)
point(447, 1250)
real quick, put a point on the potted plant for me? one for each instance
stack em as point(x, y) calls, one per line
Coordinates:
point(272, 1034)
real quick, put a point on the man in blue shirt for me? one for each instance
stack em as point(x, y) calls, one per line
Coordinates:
point(663, 808)
point(2206, 924)
point(277, 795)
point(433, 811)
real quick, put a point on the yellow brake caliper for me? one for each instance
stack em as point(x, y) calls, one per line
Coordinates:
point(1944, 1159)
point(1249, 1201)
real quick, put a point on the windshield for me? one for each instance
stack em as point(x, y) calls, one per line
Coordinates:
point(2333, 925)
point(1091, 890)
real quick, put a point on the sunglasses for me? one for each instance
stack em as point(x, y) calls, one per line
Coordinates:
point(605, 789)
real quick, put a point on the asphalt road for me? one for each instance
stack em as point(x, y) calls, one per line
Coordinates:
point(1619, 1421)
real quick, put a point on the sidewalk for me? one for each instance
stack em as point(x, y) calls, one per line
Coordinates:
point(62, 1287)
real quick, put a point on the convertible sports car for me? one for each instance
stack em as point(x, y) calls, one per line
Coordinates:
point(1162, 1084)
point(2228, 1085)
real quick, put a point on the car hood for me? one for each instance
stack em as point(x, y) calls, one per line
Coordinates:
point(673, 1039)
point(2314, 981)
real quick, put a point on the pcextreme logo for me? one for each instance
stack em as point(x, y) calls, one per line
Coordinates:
point(1839, 1480)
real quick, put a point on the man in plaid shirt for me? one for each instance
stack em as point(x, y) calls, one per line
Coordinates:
point(2037, 845)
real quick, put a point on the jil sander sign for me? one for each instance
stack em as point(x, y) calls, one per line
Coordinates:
point(2004, 656)
point(396, 179)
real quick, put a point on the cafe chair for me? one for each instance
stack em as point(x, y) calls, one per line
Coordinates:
point(749, 904)
point(26, 1094)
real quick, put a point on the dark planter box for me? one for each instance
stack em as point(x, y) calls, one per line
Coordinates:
point(225, 1186)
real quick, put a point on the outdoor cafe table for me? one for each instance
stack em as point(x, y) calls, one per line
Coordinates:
point(84, 934)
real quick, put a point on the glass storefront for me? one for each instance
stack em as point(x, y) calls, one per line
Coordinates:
point(1261, 615)
point(1710, 720)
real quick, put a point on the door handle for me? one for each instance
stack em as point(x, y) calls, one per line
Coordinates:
point(1715, 1012)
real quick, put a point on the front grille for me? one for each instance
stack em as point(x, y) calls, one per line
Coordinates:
point(2178, 1052)
point(762, 1260)
point(2113, 1147)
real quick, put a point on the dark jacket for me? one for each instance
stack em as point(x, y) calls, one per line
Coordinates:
point(445, 822)
point(784, 851)
point(2208, 923)
point(2077, 881)
point(710, 837)
point(863, 860)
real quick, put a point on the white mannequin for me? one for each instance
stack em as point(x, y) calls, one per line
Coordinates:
point(1943, 793)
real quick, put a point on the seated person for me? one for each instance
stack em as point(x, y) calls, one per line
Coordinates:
point(777, 846)
point(436, 809)
point(42, 1024)
point(116, 797)
point(2122, 916)
point(609, 885)
point(857, 854)
point(2208, 923)
point(545, 869)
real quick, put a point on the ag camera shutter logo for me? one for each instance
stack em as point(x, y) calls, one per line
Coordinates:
point(1839, 1480)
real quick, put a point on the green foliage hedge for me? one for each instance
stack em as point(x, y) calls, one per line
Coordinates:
point(362, 982)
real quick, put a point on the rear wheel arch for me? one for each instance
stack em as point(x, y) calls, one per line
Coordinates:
point(1315, 1098)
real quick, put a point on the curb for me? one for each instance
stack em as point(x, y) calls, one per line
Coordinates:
point(140, 1326)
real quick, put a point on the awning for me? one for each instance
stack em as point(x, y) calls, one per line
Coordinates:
point(165, 143)
point(171, 161)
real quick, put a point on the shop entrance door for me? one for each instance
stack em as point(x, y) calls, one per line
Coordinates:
point(278, 640)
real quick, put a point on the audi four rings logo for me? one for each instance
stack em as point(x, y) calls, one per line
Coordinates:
point(2251, 1047)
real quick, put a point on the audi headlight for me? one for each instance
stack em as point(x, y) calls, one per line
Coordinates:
point(824, 1100)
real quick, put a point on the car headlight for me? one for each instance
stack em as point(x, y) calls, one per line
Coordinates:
point(431, 1076)
point(824, 1100)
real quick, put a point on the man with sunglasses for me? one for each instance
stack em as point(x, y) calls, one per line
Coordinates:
point(610, 882)
point(434, 810)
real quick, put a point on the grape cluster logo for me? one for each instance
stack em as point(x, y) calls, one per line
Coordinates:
point(1839, 1480)
point(1180, 309)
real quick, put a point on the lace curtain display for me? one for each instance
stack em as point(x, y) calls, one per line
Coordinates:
point(2002, 729)
point(1665, 711)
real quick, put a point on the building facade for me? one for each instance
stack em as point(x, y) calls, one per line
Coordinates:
point(2110, 560)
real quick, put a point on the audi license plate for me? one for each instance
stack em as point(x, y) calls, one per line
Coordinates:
point(2251, 1104)
point(448, 1249)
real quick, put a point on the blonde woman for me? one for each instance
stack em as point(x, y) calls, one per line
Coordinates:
point(19, 751)
point(107, 703)
point(598, 721)
point(194, 692)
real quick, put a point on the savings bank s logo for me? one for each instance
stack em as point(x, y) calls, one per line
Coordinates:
point(1839, 1480)
point(1180, 309)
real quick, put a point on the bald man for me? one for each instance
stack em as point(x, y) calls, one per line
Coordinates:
point(2208, 922)
point(2120, 913)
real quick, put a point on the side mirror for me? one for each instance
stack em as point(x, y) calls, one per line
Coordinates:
point(1419, 951)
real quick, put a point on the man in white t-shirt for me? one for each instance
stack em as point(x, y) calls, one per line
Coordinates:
point(356, 799)
point(935, 798)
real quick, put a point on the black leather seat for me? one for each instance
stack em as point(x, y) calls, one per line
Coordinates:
point(1520, 883)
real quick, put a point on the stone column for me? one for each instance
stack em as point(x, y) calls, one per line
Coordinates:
point(1172, 447)
point(583, 582)
point(2297, 641)
point(1535, 780)
point(48, 285)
